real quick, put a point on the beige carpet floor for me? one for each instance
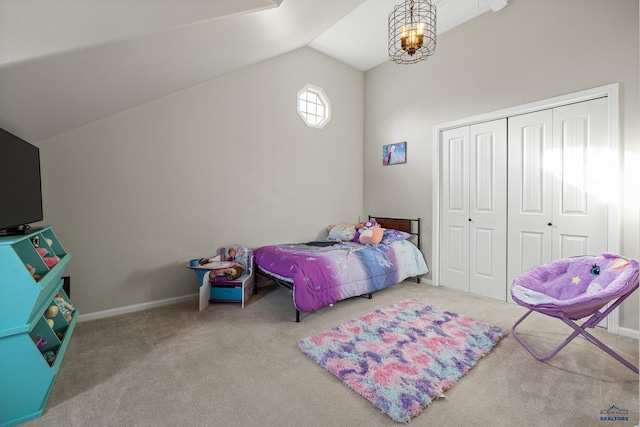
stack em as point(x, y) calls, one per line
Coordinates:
point(228, 366)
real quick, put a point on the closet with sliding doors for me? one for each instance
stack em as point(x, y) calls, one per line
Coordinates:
point(525, 186)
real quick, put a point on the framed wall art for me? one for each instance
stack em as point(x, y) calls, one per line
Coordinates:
point(394, 154)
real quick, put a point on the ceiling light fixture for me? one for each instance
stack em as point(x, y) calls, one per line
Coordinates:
point(412, 31)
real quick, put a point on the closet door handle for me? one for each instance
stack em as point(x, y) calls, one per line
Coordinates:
point(549, 224)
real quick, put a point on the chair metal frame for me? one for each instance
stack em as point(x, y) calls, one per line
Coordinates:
point(569, 314)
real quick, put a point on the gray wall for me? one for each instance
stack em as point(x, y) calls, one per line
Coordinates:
point(529, 51)
point(133, 197)
point(136, 195)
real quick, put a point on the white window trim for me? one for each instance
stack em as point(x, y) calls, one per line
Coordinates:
point(324, 99)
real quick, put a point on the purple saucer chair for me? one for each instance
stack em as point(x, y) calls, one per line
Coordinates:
point(574, 288)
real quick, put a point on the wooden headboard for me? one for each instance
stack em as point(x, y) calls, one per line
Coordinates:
point(408, 225)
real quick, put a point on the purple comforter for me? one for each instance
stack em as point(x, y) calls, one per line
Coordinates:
point(323, 275)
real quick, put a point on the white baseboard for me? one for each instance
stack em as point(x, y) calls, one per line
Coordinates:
point(630, 333)
point(148, 305)
point(134, 308)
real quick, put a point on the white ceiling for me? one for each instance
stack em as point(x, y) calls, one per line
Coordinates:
point(66, 63)
point(367, 25)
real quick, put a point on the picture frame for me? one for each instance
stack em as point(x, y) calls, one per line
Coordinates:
point(394, 154)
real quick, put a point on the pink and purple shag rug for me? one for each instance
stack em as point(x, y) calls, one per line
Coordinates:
point(403, 356)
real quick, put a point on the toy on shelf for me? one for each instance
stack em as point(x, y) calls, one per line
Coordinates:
point(39, 342)
point(65, 308)
point(49, 356)
point(50, 260)
point(52, 311)
point(32, 270)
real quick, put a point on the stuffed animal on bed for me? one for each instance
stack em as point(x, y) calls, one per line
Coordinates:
point(231, 273)
point(369, 232)
point(341, 232)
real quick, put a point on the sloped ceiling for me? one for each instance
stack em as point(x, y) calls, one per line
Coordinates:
point(66, 63)
point(366, 29)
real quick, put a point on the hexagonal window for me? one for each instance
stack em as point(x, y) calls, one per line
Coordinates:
point(314, 106)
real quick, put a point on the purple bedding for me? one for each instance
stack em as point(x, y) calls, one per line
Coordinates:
point(323, 275)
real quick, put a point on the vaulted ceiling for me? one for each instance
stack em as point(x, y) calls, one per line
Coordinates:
point(66, 63)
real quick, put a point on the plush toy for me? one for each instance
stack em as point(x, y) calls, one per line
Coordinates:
point(50, 261)
point(52, 311)
point(369, 232)
point(38, 341)
point(231, 273)
point(341, 232)
point(65, 308)
point(35, 241)
point(49, 356)
point(32, 270)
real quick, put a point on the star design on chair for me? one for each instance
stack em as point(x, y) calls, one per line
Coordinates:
point(575, 280)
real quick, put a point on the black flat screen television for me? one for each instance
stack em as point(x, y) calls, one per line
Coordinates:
point(20, 186)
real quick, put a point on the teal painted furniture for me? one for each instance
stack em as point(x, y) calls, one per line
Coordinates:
point(31, 350)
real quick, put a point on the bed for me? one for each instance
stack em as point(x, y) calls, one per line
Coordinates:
point(320, 273)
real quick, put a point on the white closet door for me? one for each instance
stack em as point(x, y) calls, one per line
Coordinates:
point(488, 209)
point(454, 209)
point(473, 219)
point(530, 191)
point(581, 183)
point(559, 176)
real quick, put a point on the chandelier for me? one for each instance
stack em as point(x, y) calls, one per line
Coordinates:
point(412, 31)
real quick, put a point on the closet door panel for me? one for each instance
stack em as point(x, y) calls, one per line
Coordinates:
point(483, 254)
point(534, 248)
point(488, 205)
point(559, 182)
point(454, 209)
point(583, 182)
point(570, 245)
point(530, 191)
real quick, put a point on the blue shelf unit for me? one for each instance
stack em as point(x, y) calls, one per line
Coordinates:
point(33, 341)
